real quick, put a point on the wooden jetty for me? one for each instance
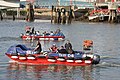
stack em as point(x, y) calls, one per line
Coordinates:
point(62, 14)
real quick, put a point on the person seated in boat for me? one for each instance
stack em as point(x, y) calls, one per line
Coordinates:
point(46, 33)
point(38, 48)
point(58, 33)
point(68, 47)
point(53, 48)
point(32, 31)
point(37, 33)
point(51, 33)
point(62, 50)
point(27, 30)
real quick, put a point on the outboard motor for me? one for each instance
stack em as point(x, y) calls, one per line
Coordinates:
point(96, 59)
point(21, 35)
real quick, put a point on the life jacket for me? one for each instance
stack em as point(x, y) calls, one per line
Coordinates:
point(88, 43)
point(54, 49)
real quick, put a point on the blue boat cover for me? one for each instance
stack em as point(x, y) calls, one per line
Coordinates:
point(19, 48)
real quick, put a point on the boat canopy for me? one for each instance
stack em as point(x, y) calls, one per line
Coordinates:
point(19, 48)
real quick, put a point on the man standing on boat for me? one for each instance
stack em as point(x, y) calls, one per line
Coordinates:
point(68, 47)
point(38, 48)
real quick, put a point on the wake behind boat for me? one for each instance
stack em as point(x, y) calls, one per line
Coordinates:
point(21, 54)
point(49, 36)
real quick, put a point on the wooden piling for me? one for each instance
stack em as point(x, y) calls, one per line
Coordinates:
point(30, 12)
point(1, 17)
point(112, 12)
point(61, 15)
point(52, 14)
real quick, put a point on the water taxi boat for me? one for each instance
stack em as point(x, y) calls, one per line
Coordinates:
point(21, 54)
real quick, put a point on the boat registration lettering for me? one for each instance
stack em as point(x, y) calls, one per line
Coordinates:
point(70, 55)
point(62, 55)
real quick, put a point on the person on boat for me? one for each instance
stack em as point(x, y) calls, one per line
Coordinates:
point(68, 47)
point(32, 31)
point(37, 33)
point(62, 50)
point(53, 48)
point(27, 30)
point(51, 33)
point(58, 33)
point(38, 48)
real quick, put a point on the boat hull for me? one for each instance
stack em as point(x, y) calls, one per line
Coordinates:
point(45, 61)
point(46, 38)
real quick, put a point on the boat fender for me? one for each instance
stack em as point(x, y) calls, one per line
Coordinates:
point(45, 53)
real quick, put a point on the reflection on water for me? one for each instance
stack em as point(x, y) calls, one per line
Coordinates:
point(51, 72)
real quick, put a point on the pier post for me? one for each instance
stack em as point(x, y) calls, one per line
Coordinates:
point(52, 14)
point(1, 17)
point(55, 17)
point(112, 12)
point(58, 16)
point(70, 15)
point(18, 12)
point(30, 12)
point(62, 14)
